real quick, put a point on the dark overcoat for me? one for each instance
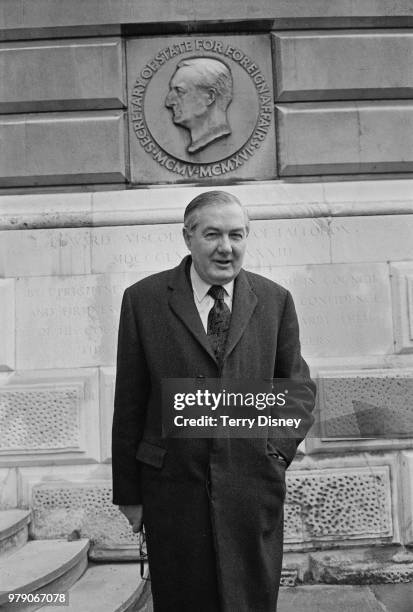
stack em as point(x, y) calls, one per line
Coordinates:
point(213, 509)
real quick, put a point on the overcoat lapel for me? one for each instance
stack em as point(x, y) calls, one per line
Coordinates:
point(244, 303)
point(182, 302)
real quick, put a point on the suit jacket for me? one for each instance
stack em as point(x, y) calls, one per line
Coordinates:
point(216, 505)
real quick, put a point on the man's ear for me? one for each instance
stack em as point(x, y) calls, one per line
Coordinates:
point(212, 96)
point(187, 237)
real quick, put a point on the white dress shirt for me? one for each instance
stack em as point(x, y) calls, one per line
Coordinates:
point(205, 302)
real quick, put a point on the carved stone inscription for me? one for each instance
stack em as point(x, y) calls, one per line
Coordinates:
point(151, 248)
point(45, 252)
point(285, 242)
point(68, 322)
point(343, 309)
point(200, 107)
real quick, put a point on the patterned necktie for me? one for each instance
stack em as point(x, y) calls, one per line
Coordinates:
point(219, 318)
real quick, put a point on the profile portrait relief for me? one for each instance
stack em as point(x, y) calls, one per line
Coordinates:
point(200, 92)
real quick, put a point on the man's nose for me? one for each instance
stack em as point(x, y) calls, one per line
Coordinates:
point(170, 99)
point(225, 244)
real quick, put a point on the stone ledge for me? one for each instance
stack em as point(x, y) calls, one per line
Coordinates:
point(41, 18)
point(379, 565)
point(153, 205)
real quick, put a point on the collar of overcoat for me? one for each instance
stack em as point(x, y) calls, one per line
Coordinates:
point(181, 300)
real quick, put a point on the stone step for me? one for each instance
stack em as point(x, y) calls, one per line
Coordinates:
point(112, 587)
point(41, 566)
point(14, 529)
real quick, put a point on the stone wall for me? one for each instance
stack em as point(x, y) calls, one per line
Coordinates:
point(91, 200)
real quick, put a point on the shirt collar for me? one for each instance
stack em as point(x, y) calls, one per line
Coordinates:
point(201, 288)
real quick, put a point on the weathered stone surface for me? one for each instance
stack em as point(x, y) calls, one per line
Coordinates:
point(49, 417)
point(54, 15)
point(45, 252)
point(7, 327)
point(395, 598)
point(328, 446)
point(80, 473)
point(330, 370)
point(338, 504)
point(373, 238)
point(366, 403)
point(345, 137)
point(107, 395)
point(233, 138)
point(362, 566)
point(343, 65)
point(56, 149)
point(72, 321)
point(8, 488)
point(61, 507)
point(340, 307)
point(58, 75)
point(332, 505)
point(33, 210)
point(298, 563)
point(402, 293)
point(406, 489)
point(317, 598)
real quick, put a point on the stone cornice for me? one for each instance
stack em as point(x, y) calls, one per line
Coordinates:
point(46, 18)
point(153, 205)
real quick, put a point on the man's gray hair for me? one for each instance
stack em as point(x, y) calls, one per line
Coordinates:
point(210, 198)
point(212, 74)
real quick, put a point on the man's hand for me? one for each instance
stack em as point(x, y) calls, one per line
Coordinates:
point(134, 516)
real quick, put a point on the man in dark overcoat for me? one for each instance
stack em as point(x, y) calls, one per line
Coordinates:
point(212, 508)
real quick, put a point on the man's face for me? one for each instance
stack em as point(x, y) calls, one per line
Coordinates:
point(218, 242)
point(187, 101)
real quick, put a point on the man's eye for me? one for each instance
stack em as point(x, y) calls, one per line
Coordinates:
point(237, 236)
point(211, 235)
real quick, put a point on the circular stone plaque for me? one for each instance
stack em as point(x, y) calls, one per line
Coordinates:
point(201, 107)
